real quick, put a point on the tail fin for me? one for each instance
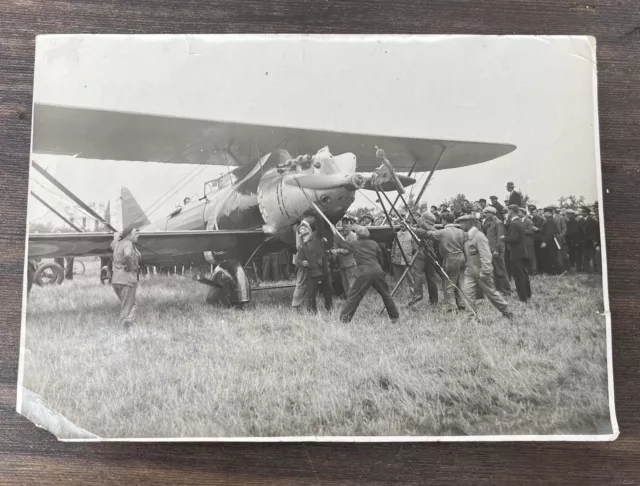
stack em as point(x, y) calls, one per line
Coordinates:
point(126, 211)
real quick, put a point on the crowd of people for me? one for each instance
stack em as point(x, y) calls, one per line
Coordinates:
point(470, 252)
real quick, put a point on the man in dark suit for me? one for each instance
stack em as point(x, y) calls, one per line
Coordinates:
point(515, 197)
point(517, 240)
point(590, 240)
point(548, 243)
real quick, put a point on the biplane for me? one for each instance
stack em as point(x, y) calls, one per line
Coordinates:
point(276, 174)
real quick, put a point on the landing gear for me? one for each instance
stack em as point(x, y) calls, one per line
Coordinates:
point(48, 274)
point(230, 286)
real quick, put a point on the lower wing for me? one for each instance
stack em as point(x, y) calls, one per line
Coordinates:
point(157, 246)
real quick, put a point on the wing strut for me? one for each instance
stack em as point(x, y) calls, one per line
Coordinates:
point(433, 170)
point(53, 210)
point(71, 195)
point(429, 253)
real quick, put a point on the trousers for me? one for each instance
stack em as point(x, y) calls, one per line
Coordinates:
point(128, 306)
point(471, 284)
point(348, 276)
point(453, 265)
point(500, 275)
point(424, 270)
point(359, 290)
point(322, 283)
point(532, 263)
point(521, 278)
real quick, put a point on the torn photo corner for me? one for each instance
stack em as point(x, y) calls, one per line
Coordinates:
point(316, 238)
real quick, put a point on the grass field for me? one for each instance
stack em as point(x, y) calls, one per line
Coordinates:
point(190, 370)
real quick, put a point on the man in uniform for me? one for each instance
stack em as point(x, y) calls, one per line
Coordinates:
point(479, 269)
point(311, 254)
point(368, 257)
point(346, 261)
point(548, 244)
point(126, 263)
point(494, 230)
point(423, 266)
point(516, 238)
point(451, 247)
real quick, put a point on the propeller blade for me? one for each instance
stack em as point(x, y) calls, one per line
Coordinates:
point(320, 182)
point(390, 184)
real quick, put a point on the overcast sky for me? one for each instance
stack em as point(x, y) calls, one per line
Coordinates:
point(537, 93)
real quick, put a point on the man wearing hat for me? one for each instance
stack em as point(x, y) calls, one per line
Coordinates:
point(311, 254)
point(423, 266)
point(572, 239)
point(514, 195)
point(516, 238)
point(590, 240)
point(366, 220)
point(126, 263)
point(368, 257)
point(494, 230)
point(346, 261)
point(548, 244)
point(451, 247)
point(561, 231)
point(479, 268)
point(529, 230)
point(499, 208)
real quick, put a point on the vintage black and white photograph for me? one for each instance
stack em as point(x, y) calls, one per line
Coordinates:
point(308, 237)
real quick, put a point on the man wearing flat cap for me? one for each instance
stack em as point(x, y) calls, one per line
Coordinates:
point(494, 230)
point(516, 238)
point(369, 273)
point(126, 263)
point(479, 268)
point(423, 267)
point(450, 241)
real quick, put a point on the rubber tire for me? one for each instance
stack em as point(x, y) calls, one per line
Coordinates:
point(46, 266)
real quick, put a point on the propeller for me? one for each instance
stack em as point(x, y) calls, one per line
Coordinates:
point(325, 182)
point(390, 185)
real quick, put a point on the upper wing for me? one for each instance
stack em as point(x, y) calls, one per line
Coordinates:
point(110, 135)
point(158, 246)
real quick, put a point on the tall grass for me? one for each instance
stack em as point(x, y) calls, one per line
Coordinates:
point(190, 370)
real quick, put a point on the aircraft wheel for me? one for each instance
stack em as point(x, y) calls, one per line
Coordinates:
point(48, 274)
